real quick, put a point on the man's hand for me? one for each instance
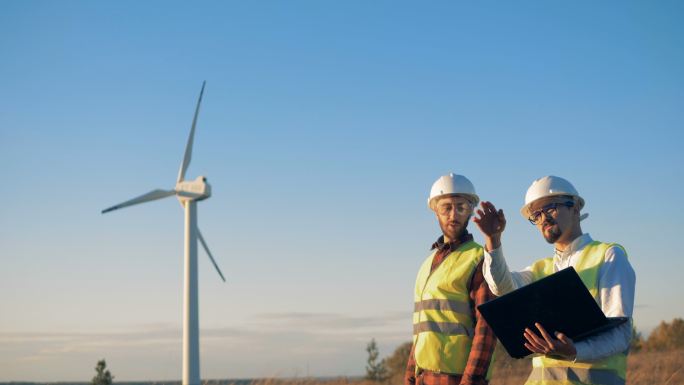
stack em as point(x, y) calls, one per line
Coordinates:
point(560, 346)
point(491, 223)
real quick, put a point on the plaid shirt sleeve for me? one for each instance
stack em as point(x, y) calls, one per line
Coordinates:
point(410, 375)
point(484, 340)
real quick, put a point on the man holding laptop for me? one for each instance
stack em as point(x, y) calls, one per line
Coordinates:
point(553, 205)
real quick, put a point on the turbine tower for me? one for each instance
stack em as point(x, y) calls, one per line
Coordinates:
point(188, 193)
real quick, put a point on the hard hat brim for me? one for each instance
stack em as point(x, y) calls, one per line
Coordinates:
point(472, 198)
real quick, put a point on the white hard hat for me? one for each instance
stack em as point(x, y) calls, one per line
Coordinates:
point(452, 184)
point(549, 186)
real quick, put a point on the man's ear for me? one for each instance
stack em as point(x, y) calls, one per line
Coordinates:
point(576, 210)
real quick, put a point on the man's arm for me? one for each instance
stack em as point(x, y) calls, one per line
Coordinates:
point(484, 340)
point(616, 285)
point(410, 374)
point(499, 278)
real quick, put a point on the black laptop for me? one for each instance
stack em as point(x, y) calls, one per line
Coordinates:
point(559, 302)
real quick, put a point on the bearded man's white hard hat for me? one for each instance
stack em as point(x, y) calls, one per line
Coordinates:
point(450, 185)
point(549, 186)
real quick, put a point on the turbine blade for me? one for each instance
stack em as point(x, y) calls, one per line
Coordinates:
point(206, 248)
point(150, 196)
point(188, 146)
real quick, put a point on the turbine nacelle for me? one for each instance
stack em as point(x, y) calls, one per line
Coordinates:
point(195, 190)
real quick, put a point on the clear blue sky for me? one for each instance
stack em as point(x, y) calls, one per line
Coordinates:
point(323, 126)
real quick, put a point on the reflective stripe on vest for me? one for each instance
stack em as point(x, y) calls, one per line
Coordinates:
point(442, 320)
point(608, 371)
point(442, 305)
point(446, 328)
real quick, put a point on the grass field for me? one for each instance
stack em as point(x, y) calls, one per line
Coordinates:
point(643, 368)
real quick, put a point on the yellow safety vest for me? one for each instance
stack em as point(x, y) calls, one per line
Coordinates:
point(607, 371)
point(442, 319)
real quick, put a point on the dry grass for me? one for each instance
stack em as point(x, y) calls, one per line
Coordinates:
point(643, 368)
point(509, 371)
point(312, 381)
point(661, 368)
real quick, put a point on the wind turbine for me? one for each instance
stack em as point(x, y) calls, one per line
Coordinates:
point(188, 193)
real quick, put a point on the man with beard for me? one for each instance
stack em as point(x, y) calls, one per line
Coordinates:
point(553, 205)
point(452, 343)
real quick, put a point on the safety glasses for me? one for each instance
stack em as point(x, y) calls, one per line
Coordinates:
point(549, 210)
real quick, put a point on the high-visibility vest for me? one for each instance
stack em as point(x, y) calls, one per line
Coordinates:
point(442, 319)
point(607, 371)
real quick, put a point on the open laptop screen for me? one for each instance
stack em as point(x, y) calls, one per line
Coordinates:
point(559, 302)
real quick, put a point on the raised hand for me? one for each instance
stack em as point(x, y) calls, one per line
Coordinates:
point(491, 223)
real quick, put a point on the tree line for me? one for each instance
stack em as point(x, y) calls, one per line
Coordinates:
point(667, 336)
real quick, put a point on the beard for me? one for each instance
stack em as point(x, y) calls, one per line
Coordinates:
point(553, 234)
point(454, 232)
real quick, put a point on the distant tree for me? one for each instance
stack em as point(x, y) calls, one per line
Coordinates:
point(103, 377)
point(375, 371)
point(396, 363)
point(666, 336)
point(637, 342)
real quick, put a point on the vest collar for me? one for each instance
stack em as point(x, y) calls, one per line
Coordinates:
point(453, 245)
